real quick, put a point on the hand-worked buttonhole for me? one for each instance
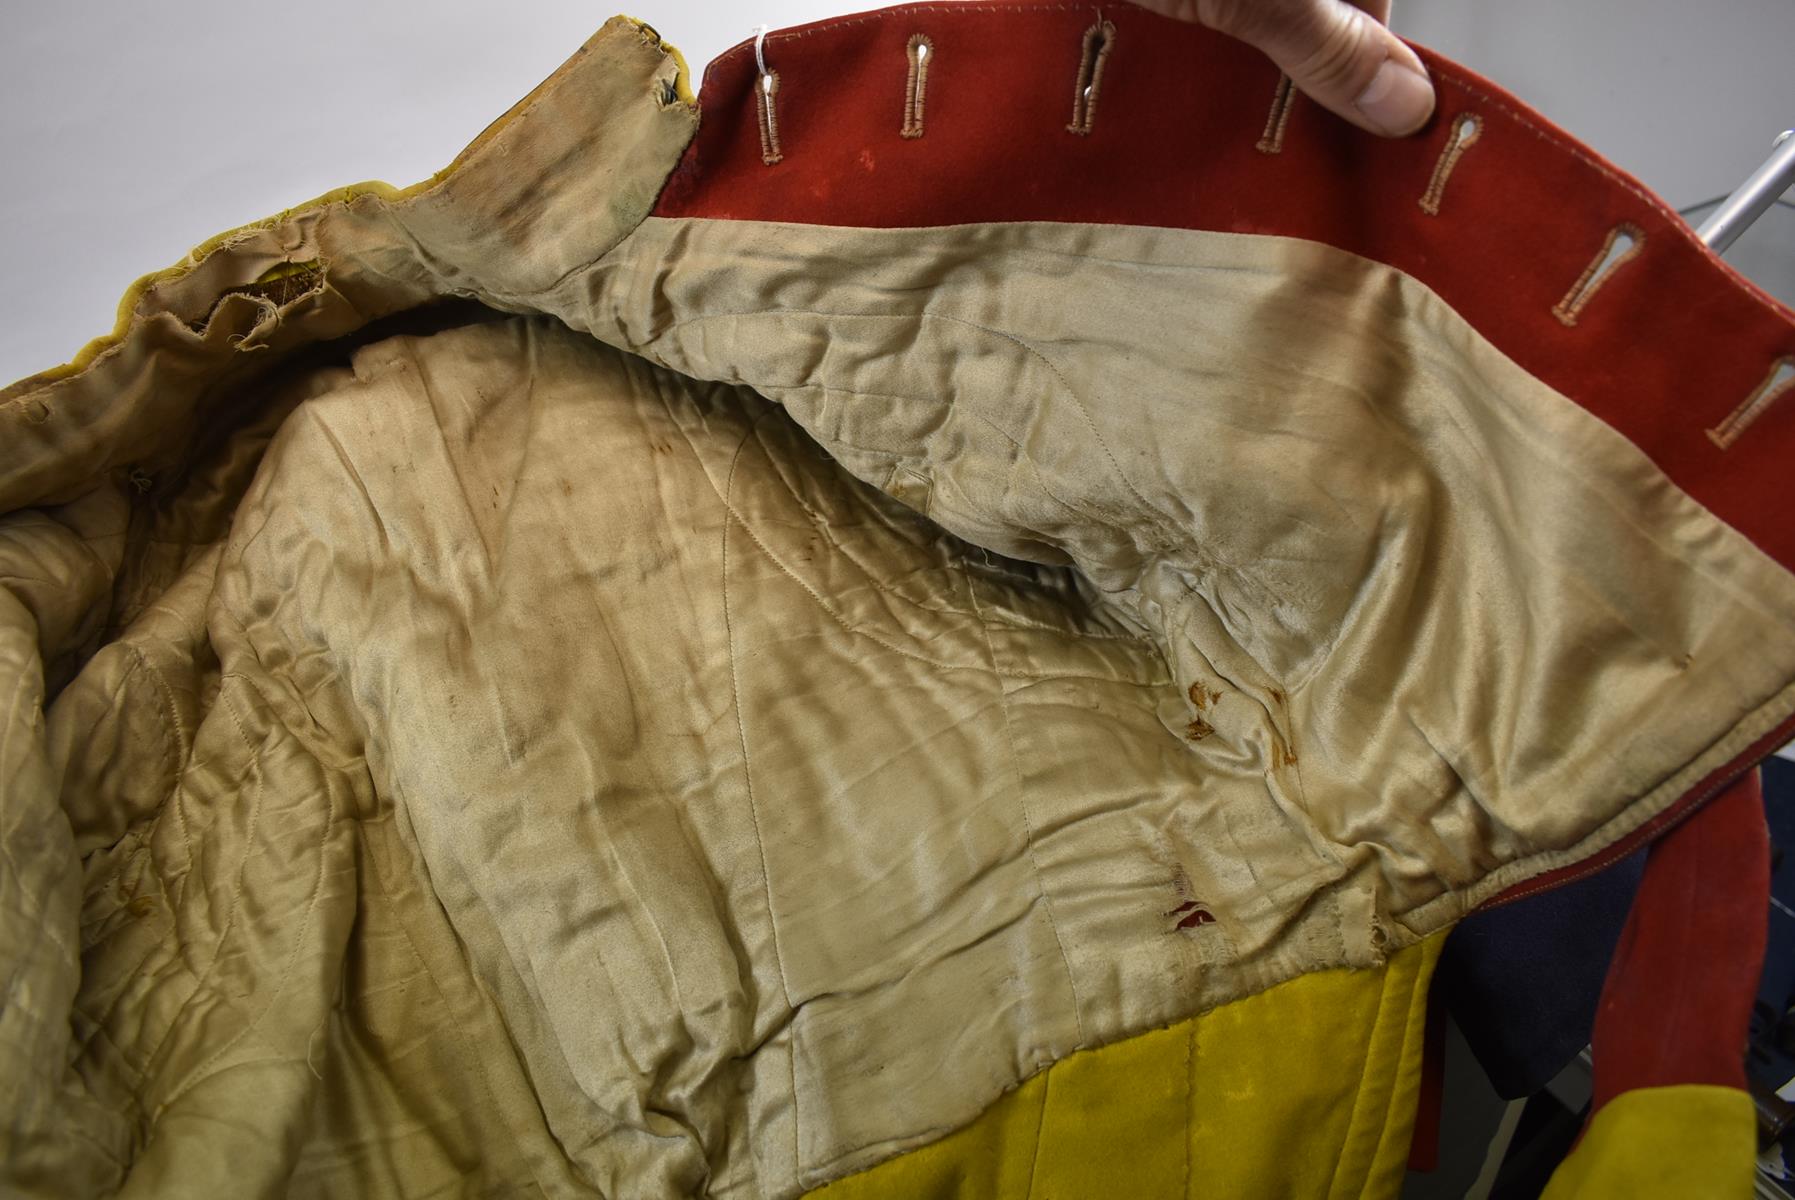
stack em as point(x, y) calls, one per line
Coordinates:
point(1272, 140)
point(1779, 383)
point(916, 87)
point(1464, 132)
point(766, 98)
point(1624, 242)
point(1099, 39)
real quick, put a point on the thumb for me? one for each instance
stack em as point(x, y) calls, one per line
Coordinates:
point(1339, 55)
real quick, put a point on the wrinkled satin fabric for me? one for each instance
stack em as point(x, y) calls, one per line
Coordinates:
point(505, 692)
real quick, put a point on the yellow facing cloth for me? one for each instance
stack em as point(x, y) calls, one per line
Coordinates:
point(1307, 1089)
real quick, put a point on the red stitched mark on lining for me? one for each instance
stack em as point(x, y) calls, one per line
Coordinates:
point(1194, 914)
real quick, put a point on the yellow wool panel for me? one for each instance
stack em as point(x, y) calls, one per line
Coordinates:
point(1307, 1089)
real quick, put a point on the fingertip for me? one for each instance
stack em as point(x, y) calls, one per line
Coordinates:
point(1398, 100)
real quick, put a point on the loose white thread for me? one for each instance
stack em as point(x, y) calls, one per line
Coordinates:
point(765, 89)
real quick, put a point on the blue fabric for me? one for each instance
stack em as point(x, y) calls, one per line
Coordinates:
point(1772, 1058)
point(1522, 981)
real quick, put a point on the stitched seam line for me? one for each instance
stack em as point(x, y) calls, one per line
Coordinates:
point(791, 35)
point(203, 978)
point(1034, 1159)
point(16, 405)
point(184, 743)
point(1550, 136)
point(899, 465)
point(1359, 1120)
point(469, 1055)
point(853, 630)
point(1186, 1135)
point(859, 631)
point(1028, 825)
point(116, 878)
point(1393, 1092)
point(741, 728)
point(200, 1073)
point(1169, 533)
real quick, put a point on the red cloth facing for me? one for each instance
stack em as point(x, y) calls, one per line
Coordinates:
point(1672, 343)
point(1676, 1007)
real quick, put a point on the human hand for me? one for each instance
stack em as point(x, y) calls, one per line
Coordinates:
point(1339, 54)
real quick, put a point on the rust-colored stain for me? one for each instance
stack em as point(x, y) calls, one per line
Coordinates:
point(1202, 697)
point(1198, 729)
point(1277, 697)
point(1286, 756)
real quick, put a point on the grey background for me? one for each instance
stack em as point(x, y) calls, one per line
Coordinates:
point(130, 132)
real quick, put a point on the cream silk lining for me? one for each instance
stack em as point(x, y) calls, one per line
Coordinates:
point(497, 752)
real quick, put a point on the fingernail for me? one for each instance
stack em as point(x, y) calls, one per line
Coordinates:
point(1397, 100)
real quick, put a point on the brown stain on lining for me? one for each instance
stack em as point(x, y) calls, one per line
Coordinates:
point(1201, 698)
